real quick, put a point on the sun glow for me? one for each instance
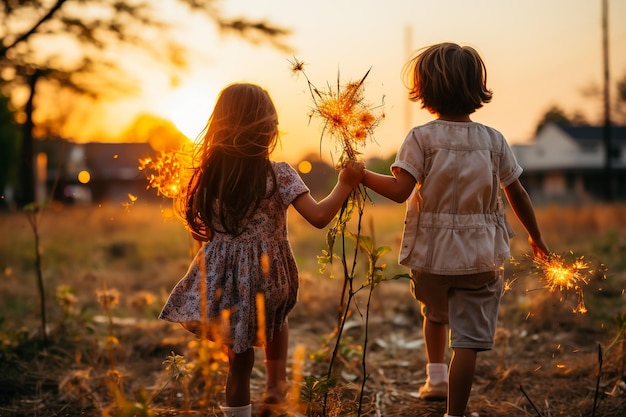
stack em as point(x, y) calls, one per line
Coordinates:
point(189, 106)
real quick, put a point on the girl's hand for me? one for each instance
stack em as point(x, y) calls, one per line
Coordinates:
point(352, 173)
point(319, 214)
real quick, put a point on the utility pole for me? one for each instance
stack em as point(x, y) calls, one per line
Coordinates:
point(606, 131)
point(408, 51)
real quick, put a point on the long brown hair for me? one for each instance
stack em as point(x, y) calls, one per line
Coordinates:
point(231, 179)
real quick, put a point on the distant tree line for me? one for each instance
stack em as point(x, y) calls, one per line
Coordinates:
point(555, 113)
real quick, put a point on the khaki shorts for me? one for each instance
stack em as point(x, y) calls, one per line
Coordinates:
point(468, 304)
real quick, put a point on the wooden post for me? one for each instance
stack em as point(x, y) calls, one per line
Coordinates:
point(606, 131)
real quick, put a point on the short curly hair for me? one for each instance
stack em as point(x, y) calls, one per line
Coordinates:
point(448, 79)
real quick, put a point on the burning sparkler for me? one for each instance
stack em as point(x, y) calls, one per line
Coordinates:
point(348, 118)
point(165, 173)
point(560, 275)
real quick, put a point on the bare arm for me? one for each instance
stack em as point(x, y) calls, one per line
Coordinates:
point(319, 214)
point(397, 188)
point(523, 209)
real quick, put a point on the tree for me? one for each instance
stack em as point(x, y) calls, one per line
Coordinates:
point(9, 138)
point(553, 115)
point(593, 93)
point(71, 44)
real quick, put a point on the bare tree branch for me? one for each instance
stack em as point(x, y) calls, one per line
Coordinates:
point(24, 36)
point(89, 67)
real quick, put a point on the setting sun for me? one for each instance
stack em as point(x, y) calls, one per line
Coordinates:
point(189, 106)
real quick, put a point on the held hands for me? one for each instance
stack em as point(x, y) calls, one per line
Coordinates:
point(352, 172)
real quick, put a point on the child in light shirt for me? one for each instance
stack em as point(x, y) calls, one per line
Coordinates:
point(450, 172)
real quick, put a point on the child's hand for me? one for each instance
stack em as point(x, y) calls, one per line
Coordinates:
point(352, 173)
point(540, 249)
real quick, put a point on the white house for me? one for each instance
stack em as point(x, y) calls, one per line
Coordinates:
point(567, 163)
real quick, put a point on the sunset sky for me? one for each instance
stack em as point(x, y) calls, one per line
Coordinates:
point(538, 54)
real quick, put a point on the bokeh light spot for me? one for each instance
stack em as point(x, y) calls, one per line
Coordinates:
point(305, 167)
point(84, 177)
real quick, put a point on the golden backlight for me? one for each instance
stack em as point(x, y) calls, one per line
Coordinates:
point(189, 107)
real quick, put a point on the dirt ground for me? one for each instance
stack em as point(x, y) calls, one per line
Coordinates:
point(548, 361)
point(552, 372)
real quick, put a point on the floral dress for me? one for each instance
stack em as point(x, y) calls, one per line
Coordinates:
point(237, 268)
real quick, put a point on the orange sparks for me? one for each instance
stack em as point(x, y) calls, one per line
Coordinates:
point(131, 201)
point(164, 173)
point(559, 275)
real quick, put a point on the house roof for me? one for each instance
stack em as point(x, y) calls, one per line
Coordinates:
point(590, 134)
point(108, 161)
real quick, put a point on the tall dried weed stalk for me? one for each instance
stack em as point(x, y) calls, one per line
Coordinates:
point(348, 120)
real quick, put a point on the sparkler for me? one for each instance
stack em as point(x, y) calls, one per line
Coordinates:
point(165, 173)
point(560, 275)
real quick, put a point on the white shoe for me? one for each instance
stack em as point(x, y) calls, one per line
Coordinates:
point(243, 411)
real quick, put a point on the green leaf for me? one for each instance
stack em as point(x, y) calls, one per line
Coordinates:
point(400, 276)
point(381, 250)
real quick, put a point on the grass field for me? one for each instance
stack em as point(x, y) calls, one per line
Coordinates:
point(108, 358)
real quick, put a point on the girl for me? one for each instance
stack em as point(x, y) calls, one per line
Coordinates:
point(237, 203)
point(456, 236)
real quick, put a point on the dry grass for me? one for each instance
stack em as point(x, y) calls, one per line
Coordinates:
point(542, 346)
